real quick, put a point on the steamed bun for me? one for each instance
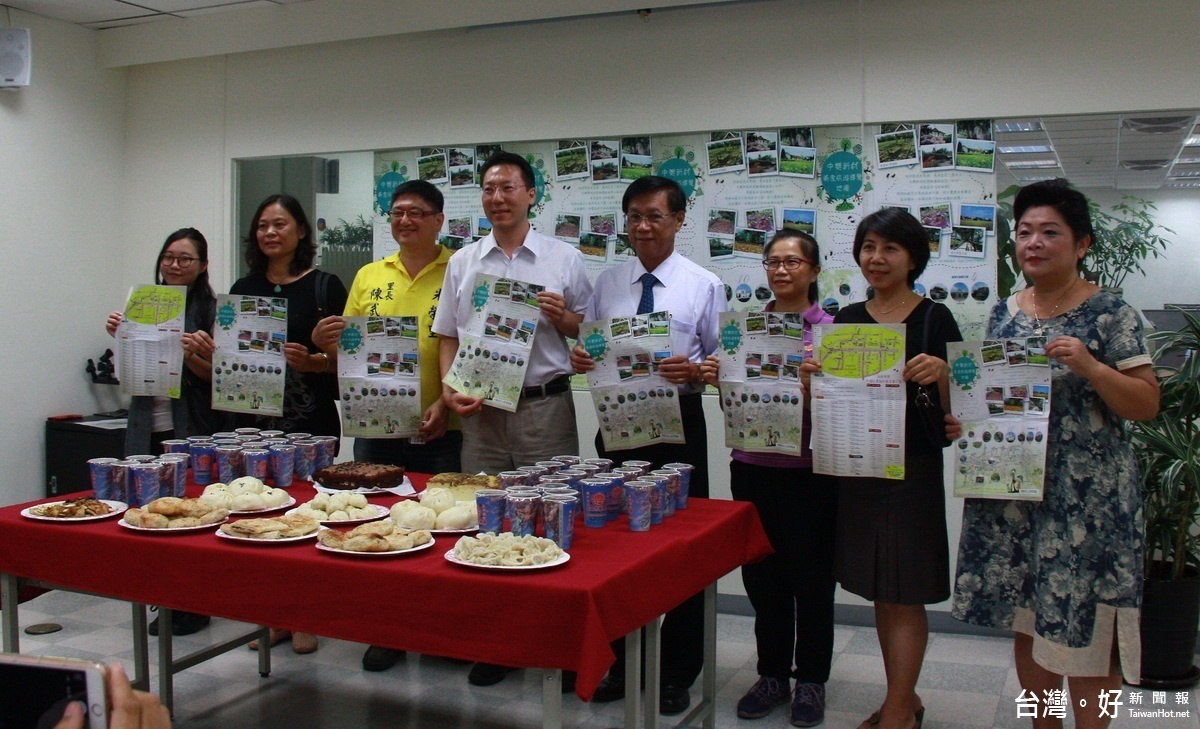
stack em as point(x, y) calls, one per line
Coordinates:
point(438, 499)
point(414, 517)
point(457, 517)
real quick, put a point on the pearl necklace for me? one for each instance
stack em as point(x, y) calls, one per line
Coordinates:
point(1037, 321)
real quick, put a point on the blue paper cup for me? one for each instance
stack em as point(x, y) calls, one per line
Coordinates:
point(103, 482)
point(672, 477)
point(550, 466)
point(143, 483)
point(326, 450)
point(575, 475)
point(513, 478)
point(175, 445)
point(638, 494)
point(203, 460)
point(616, 494)
point(657, 496)
point(558, 518)
point(264, 434)
point(490, 505)
point(298, 436)
point(258, 463)
point(522, 510)
point(179, 487)
point(228, 463)
point(605, 465)
point(121, 482)
point(568, 460)
point(534, 472)
point(283, 464)
point(595, 502)
point(306, 459)
point(685, 482)
point(643, 466)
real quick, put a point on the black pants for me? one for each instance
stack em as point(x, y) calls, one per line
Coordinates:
point(682, 635)
point(791, 590)
point(437, 456)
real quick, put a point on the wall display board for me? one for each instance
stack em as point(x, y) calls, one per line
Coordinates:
point(743, 185)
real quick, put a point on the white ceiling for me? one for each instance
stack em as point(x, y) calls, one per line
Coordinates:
point(116, 13)
point(1093, 151)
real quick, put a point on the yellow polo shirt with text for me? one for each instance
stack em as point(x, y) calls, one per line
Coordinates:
point(384, 288)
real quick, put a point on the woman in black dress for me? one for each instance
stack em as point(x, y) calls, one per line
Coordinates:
point(280, 249)
point(891, 545)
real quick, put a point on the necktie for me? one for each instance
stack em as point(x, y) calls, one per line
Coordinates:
point(646, 305)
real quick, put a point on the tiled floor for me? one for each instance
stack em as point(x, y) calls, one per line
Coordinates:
point(967, 682)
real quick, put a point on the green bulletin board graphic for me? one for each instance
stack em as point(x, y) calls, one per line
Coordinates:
point(155, 304)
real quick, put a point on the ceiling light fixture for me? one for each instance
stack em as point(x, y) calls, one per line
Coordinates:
point(1026, 149)
point(1158, 124)
point(1018, 125)
point(1032, 164)
point(1145, 165)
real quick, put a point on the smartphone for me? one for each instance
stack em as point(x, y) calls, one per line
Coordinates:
point(35, 690)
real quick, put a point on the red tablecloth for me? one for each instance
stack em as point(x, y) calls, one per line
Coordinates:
point(561, 617)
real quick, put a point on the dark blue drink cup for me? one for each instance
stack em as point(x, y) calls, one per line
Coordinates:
point(227, 463)
point(595, 502)
point(283, 464)
point(568, 460)
point(258, 462)
point(306, 459)
point(657, 496)
point(575, 475)
point(179, 488)
point(605, 465)
point(513, 478)
point(616, 494)
point(326, 450)
point(166, 478)
point(175, 445)
point(672, 477)
point(550, 466)
point(120, 474)
point(490, 505)
point(638, 494)
point(522, 508)
point(203, 456)
point(644, 466)
point(558, 518)
point(685, 481)
point(103, 483)
point(143, 483)
point(534, 473)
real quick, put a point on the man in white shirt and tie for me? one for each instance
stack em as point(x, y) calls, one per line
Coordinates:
point(660, 279)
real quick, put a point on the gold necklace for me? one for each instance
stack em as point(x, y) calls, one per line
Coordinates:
point(897, 306)
point(1037, 321)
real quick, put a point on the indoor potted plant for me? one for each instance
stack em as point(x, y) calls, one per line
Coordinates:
point(1168, 449)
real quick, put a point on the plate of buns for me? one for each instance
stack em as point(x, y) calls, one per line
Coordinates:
point(172, 515)
point(270, 530)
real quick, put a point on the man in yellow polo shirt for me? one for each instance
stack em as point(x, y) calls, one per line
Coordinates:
point(406, 283)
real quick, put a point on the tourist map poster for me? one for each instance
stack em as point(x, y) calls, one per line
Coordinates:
point(493, 353)
point(858, 400)
point(379, 377)
point(1000, 394)
point(635, 405)
point(149, 341)
point(759, 376)
point(248, 365)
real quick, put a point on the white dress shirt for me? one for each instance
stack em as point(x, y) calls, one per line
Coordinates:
point(694, 296)
point(539, 260)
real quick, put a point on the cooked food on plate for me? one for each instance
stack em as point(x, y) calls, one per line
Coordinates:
point(171, 512)
point(359, 474)
point(277, 527)
point(506, 550)
point(73, 509)
point(377, 536)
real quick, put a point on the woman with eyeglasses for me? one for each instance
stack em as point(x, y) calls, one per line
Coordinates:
point(891, 546)
point(791, 590)
point(182, 261)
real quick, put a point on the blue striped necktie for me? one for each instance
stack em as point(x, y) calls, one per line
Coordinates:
point(646, 305)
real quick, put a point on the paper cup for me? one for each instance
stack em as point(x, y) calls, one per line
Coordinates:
point(490, 505)
point(282, 460)
point(685, 482)
point(638, 494)
point(203, 459)
point(558, 519)
point(103, 481)
point(522, 511)
point(595, 502)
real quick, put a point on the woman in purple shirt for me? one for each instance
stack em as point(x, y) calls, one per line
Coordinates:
point(792, 589)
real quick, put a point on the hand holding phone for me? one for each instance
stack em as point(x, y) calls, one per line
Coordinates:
point(35, 691)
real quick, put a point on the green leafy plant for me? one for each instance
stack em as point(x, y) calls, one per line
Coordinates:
point(1125, 237)
point(1168, 450)
point(349, 236)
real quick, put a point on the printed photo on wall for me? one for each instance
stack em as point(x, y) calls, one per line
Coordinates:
point(967, 242)
point(637, 158)
point(936, 147)
point(975, 155)
point(570, 162)
point(604, 159)
point(796, 137)
point(749, 242)
point(431, 164)
point(460, 227)
point(482, 152)
point(721, 222)
point(762, 156)
point(977, 216)
point(604, 224)
point(896, 149)
point(622, 248)
point(937, 215)
point(761, 219)
point(977, 129)
point(720, 246)
point(462, 166)
point(594, 246)
point(935, 240)
point(567, 226)
point(726, 155)
point(800, 219)
point(797, 161)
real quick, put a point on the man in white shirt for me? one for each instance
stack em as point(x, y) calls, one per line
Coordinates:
point(661, 279)
point(543, 424)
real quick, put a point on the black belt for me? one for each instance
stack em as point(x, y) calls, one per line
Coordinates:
point(562, 383)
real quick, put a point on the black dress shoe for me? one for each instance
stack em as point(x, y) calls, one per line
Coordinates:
point(487, 674)
point(611, 688)
point(568, 682)
point(378, 658)
point(182, 623)
point(673, 700)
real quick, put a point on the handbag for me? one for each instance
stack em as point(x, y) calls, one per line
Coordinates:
point(931, 418)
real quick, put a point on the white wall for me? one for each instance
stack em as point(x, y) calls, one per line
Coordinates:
point(62, 239)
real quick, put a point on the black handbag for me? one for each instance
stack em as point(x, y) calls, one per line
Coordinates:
point(931, 418)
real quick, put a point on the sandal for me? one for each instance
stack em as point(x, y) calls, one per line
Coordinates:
point(873, 720)
point(277, 637)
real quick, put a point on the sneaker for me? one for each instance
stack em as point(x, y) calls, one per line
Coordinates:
point(764, 695)
point(808, 704)
point(378, 658)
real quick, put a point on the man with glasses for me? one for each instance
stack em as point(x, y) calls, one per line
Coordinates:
point(660, 279)
point(406, 283)
point(543, 424)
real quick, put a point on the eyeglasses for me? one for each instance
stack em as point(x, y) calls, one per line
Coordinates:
point(789, 264)
point(504, 190)
point(633, 220)
point(415, 214)
point(181, 261)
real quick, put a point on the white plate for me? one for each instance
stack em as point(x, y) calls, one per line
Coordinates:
point(381, 511)
point(118, 507)
point(177, 530)
point(405, 489)
point(454, 531)
point(255, 540)
point(393, 553)
point(566, 557)
point(290, 502)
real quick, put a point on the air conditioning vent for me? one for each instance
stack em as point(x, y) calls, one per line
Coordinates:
point(1158, 124)
point(1145, 165)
